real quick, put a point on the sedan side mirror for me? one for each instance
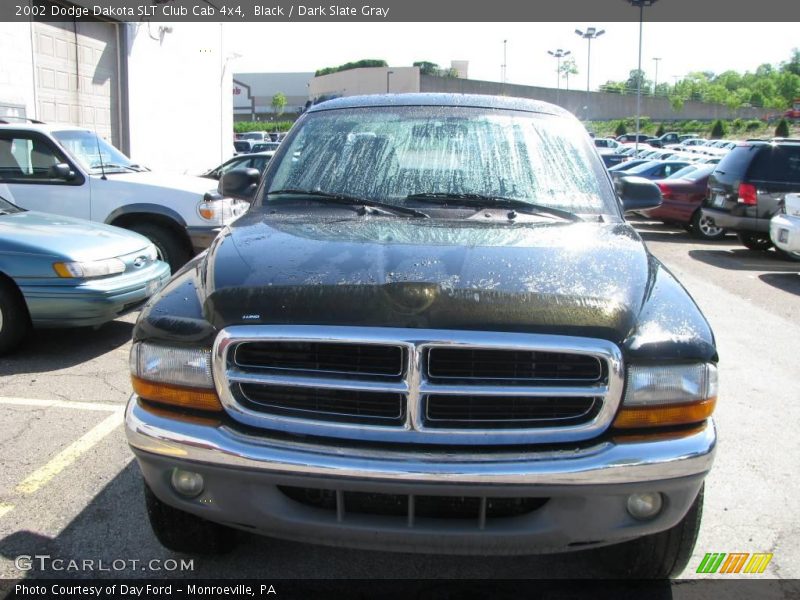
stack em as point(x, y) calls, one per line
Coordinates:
point(62, 171)
point(638, 193)
point(239, 183)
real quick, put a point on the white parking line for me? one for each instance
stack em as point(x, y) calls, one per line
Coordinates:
point(11, 401)
point(5, 509)
point(70, 454)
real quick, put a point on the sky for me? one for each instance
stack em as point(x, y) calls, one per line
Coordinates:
point(682, 47)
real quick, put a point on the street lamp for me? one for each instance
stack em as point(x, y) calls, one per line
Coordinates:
point(388, 73)
point(640, 4)
point(590, 34)
point(505, 64)
point(559, 54)
point(655, 83)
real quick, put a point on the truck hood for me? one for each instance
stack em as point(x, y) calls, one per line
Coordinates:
point(44, 234)
point(582, 279)
point(186, 183)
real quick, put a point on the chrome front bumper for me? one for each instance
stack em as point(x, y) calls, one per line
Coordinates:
point(585, 490)
point(605, 463)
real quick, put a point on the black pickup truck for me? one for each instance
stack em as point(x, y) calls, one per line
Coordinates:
point(435, 332)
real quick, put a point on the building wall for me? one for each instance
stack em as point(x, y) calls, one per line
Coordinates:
point(373, 80)
point(17, 95)
point(601, 105)
point(263, 86)
point(179, 96)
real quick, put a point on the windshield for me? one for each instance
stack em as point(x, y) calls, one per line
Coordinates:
point(387, 154)
point(89, 149)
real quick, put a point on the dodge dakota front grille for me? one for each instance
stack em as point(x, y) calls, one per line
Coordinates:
point(418, 386)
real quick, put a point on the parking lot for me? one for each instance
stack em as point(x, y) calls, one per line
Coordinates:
point(69, 487)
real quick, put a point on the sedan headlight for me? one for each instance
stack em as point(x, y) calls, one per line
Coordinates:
point(89, 269)
point(222, 211)
point(668, 395)
point(176, 376)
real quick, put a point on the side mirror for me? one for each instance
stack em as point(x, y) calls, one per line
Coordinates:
point(239, 183)
point(638, 193)
point(62, 171)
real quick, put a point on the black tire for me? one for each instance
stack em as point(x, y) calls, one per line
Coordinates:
point(171, 249)
point(14, 319)
point(180, 531)
point(755, 241)
point(703, 227)
point(658, 556)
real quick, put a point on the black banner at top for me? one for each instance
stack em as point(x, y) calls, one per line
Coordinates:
point(711, 11)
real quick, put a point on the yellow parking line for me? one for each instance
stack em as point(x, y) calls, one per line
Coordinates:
point(10, 401)
point(5, 509)
point(68, 455)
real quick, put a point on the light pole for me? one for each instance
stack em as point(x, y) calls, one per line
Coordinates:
point(388, 73)
point(640, 4)
point(590, 34)
point(559, 54)
point(505, 64)
point(655, 82)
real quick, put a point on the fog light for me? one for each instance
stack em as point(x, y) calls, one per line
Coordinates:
point(187, 483)
point(645, 506)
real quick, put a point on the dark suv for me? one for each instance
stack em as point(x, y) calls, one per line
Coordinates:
point(745, 190)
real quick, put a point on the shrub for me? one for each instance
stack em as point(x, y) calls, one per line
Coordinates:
point(718, 130)
point(738, 124)
point(782, 130)
point(753, 125)
point(660, 131)
point(621, 129)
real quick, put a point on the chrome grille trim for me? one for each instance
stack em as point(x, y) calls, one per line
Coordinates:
point(415, 384)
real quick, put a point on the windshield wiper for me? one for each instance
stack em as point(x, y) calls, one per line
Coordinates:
point(348, 200)
point(488, 201)
point(115, 166)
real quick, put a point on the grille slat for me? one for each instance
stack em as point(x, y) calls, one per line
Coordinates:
point(322, 357)
point(521, 365)
point(376, 408)
point(507, 411)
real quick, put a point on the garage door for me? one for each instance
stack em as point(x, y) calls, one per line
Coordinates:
point(77, 75)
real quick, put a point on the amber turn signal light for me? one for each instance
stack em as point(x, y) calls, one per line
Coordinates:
point(176, 395)
point(664, 415)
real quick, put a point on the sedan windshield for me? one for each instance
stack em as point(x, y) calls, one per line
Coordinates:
point(396, 155)
point(93, 152)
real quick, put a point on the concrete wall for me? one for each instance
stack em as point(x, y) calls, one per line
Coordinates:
point(263, 86)
point(179, 96)
point(371, 80)
point(17, 92)
point(601, 105)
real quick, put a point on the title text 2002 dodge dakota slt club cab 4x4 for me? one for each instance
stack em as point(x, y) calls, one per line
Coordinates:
point(433, 331)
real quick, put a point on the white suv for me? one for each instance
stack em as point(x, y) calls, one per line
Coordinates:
point(72, 171)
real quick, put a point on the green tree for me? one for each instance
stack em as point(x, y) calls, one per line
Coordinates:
point(637, 78)
point(279, 103)
point(427, 67)
point(568, 67)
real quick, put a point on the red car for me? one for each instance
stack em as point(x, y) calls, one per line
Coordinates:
point(682, 194)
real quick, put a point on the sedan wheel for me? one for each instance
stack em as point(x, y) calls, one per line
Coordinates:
point(14, 320)
point(704, 228)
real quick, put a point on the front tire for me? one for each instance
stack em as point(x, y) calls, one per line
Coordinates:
point(755, 241)
point(180, 531)
point(661, 555)
point(703, 227)
point(14, 319)
point(171, 248)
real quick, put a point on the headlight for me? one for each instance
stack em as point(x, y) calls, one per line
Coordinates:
point(87, 270)
point(177, 376)
point(668, 395)
point(222, 211)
